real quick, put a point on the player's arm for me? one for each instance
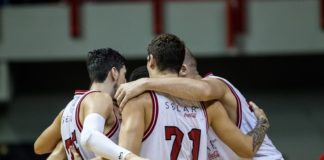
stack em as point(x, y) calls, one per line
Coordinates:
point(186, 88)
point(243, 145)
point(49, 138)
point(97, 107)
point(58, 153)
point(133, 125)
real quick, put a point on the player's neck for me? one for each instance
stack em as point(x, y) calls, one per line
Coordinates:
point(103, 87)
point(197, 76)
point(194, 76)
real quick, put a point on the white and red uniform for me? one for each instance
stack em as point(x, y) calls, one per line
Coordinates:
point(246, 121)
point(71, 127)
point(176, 131)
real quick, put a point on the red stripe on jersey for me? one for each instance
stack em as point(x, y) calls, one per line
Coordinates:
point(78, 91)
point(238, 101)
point(77, 115)
point(114, 128)
point(155, 113)
point(239, 108)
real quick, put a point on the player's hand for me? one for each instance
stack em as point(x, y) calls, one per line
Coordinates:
point(74, 153)
point(260, 115)
point(132, 156)
point(129, 90)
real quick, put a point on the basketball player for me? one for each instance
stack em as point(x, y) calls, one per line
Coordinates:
point(222, 125)
point(229, 98)
point(90, 117)
point(159, 127)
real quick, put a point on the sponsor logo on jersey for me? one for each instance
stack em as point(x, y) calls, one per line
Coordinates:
point(176, 107)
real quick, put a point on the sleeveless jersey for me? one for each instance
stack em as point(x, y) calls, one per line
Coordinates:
point(71, 127)
point(246, 121)
point(176, 131)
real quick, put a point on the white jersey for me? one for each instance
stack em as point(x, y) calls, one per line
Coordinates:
point(246, 121)
point(176, 131)
point(71, 127)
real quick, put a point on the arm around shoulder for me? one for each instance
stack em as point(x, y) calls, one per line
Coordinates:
point(188, 88)
point(215, 89)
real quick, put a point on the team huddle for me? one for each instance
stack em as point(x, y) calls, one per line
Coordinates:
point(167, 111)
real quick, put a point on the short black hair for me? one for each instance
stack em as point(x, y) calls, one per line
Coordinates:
point(101, 61)
point(169, 52)
point(139, 72)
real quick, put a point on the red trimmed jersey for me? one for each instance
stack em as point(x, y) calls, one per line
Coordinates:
point(177, 131)
point(71, 127)
point(246, 121)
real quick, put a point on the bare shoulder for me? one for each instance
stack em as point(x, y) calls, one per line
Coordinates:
point(140, 101)
point(213, 80)
point(98, 102)
point(98, 98)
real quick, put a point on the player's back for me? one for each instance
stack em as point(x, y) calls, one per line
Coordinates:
point(71, 126)
point(176, 131)
point(246, 121)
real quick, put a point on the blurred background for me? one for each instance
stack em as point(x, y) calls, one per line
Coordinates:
point(271, 50)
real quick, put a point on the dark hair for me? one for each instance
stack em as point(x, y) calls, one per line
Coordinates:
point(169, 52)
point(101, 61)
point(139, 72)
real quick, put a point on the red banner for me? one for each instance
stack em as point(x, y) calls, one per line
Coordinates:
point(322, 13)
point(236, 19)
point(158, 16)
point(75, 29)
point(241, 15)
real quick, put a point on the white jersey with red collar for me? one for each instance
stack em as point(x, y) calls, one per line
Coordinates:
point(71, 127)
point(176, 131)
point(246, 121)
